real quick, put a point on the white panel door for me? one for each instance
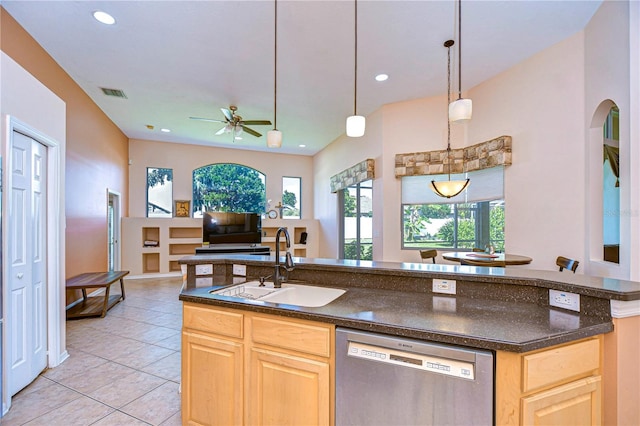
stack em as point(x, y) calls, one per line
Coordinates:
point(26, 319)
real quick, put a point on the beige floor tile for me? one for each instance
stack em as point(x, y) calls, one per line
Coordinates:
point(80, 412)
point(144, 356)
point(153, 334)
point(115, 347)
point(118, 418)
point(95, 378)
point(175, 420)
point(168, 367)
point(36, 404)
point(173, 342)
point(156, 406)
point(86, 388)
point(126, 389)
point(78, 362)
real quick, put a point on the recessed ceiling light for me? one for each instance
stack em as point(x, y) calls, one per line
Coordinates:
point(104, 17)
point(302, 146)
point(381, 77)
point(165, 130)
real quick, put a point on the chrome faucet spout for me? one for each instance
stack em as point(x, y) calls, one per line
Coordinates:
point(277, 276)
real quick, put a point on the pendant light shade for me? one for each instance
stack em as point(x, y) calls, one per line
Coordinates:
point(274, 137)
point(355, 123)
point(355, 126)
point(449, 188)
point(461, 109)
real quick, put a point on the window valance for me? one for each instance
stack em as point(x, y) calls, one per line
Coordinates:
point(353, 175)
point(484, 155)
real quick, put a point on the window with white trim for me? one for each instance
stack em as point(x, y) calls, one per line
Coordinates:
point(475, 218)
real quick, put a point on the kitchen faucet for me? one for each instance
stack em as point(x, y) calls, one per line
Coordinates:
point(288, 263)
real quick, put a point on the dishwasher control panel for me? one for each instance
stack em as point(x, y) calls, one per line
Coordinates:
point(450, 367)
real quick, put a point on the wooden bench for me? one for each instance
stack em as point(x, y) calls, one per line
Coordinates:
point(95, 306)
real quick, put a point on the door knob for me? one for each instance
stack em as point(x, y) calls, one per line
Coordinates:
point(20, 275)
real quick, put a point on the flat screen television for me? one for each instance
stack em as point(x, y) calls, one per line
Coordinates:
point(231, 228)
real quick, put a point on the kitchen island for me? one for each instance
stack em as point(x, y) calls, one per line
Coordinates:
point(502, 310)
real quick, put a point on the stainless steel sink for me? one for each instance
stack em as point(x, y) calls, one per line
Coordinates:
point(291, 294)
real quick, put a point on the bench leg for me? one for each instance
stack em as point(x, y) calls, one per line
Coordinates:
point(122, 287)
point(106, 301)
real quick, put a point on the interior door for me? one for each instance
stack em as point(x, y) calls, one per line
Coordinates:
point(26, 316)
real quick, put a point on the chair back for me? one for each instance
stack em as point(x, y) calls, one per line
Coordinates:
point(491, 264)
point(477, 249)
point(429, 254)
point(566, 263)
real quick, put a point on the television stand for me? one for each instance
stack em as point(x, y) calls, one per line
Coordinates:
point(234, 248)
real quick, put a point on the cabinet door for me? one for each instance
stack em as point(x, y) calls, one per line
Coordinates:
point(287, 389)
point(578, 403)
point(212, 384)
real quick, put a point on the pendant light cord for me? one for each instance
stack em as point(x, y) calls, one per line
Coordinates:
point(275, 65)
point(459, 49)
point(450, 43)
point(355, 61)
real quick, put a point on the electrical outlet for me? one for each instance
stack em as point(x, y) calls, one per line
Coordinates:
point(204, 269)
point(240, 270)
point(444, 286)
point(564, 299)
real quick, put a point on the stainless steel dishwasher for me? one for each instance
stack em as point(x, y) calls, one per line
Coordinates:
point(387, 380)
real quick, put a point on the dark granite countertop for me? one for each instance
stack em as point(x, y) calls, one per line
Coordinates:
point(606, 288)
point(476, 323)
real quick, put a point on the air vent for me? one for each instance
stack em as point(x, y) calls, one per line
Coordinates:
point(114, 92)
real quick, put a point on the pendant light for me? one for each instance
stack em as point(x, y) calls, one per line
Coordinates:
point(461, 109)
point(274, 137)
point(449, 188)
point(355, 123)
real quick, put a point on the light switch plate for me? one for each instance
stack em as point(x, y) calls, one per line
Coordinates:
point(444, 286)
point(240, 270)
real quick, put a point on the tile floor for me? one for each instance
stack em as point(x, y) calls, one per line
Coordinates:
point(123, 369)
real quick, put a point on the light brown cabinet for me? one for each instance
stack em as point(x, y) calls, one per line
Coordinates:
point(555, 386)
point(243, 367)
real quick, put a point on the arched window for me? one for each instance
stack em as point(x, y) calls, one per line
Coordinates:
point(228, 187)
point(611, 187)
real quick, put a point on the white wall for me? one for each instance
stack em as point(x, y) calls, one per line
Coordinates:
point(183, 159)
point(540, 103)
point(546, 104)
point(24, 98)
point(338, 156)
point(607, 77)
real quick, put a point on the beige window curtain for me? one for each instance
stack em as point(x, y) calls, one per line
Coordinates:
point(612, 154)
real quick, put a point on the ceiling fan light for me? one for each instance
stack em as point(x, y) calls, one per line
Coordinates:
point(460, 111)
point(449, 188)
point(355, 126)
point(238, 130)
point(274, 138)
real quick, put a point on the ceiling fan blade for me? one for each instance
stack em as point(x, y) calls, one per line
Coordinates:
point(207, 119)
point(251, 131)
point(256, 122)
point(227, 114)
point(221, 131)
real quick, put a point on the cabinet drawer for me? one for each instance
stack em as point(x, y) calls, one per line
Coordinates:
point(560, 364)
point(300, 336)
point(213, 320)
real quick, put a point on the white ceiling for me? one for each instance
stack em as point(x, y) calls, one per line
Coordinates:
point(176, 59)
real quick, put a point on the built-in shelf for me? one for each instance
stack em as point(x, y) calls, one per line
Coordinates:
point(178, 237)
point(150, 263)
point(173, 237)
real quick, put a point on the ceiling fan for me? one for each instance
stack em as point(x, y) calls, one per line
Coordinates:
point(233, 123)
